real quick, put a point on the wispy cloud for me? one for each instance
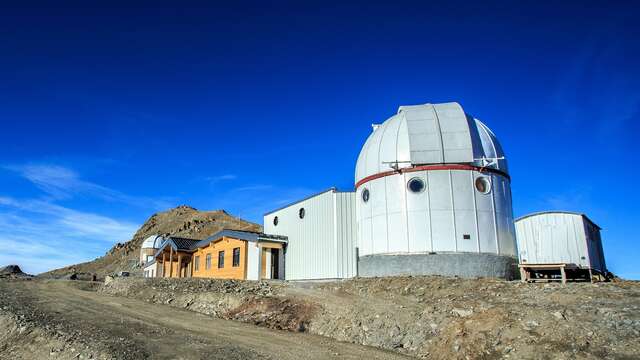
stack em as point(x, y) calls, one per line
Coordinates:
point(252, 188)
point(39, 235)
point(63, 183)
point(218, 178)
point(252, 201)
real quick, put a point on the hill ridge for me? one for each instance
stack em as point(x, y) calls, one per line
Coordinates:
point(180, 221)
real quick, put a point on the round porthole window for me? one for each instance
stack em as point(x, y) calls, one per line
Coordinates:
point(275, 221)
point(483, 185)
point(301, 213)
point(416, 185)
point(365, 195)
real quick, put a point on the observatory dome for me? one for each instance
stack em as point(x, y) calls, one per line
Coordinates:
point(429, 134)
point(152, 242)
point(434, 180)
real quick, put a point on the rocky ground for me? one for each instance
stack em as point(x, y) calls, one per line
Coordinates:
point(57, 319)
point(428, 317)
point(424, 317)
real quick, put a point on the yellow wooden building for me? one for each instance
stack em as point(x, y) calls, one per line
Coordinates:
point(228, 254)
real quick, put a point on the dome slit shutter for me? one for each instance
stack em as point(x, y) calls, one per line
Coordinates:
point(456, 136)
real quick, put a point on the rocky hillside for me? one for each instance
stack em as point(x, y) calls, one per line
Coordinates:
point(183, 221)
point(425, 317)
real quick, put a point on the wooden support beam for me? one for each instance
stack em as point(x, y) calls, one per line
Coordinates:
point(170, 262)
point(164, 264)
point(179, 265)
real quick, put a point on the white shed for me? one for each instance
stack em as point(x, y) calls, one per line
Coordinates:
point(321, 230)
point(554, 237)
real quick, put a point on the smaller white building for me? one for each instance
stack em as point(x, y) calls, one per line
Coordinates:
point(560, 237)
point(149, 247)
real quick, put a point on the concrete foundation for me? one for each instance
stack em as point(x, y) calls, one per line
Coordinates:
point(466, 265)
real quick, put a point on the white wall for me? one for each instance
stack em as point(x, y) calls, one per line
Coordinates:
point(559, 238)
point(396, 220)
point(253, 261)
point(322, 244)
point(153, 267)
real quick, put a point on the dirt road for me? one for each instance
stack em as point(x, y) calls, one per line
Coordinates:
point(131, 329)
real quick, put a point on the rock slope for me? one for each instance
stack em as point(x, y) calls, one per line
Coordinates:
point(428, 317)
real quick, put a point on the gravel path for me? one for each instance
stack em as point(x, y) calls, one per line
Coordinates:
point(66, 321)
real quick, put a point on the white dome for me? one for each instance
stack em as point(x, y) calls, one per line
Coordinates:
point(429, 134)
point(152, 242)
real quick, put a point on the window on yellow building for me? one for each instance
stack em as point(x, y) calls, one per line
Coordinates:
point(220, 259)
point(236, 257)
point(196, 263)
point(207, 264)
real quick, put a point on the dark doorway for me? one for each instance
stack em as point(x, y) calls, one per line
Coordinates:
point(275, 263)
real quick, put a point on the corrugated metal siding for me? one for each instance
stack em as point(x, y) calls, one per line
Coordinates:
point(321, 245)
point(450, 215)
point(346, 234)
point(559, 238)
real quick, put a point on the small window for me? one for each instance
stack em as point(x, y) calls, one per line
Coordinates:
point(207, 264)
point(196, 263)
point(301, 213)
point(483, 185)
point(365, 195)
point(236, 257)
point(220, 259)
point(466, 237)
point(275, 221)
point(416, 185)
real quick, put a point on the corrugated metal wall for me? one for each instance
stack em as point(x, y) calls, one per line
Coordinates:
point(322, 244)
point(559, 238)
point(346, 231)
point(450, 215)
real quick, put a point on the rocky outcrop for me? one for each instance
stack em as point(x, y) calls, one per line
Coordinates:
point(13, 271)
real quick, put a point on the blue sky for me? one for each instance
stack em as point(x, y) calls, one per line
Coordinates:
point(110, 112)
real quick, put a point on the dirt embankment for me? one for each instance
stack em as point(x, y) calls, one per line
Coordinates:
point(430, 317)
point(29, 332)
point(54, 319)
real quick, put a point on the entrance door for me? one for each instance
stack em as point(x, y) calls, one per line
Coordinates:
point(275, 264)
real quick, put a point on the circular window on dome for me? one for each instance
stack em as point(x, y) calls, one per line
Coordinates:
point(483, 185)
point(365, 195)
point(301, 213)
point(416, 185)
point(275, 221)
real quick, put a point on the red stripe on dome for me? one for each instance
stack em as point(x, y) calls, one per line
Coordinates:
point(432, 167)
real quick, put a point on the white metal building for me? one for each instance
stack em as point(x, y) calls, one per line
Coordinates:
point(560, 237)
point(149, 247)
point(432, 196)
point(321, 230)
point(432, 179)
